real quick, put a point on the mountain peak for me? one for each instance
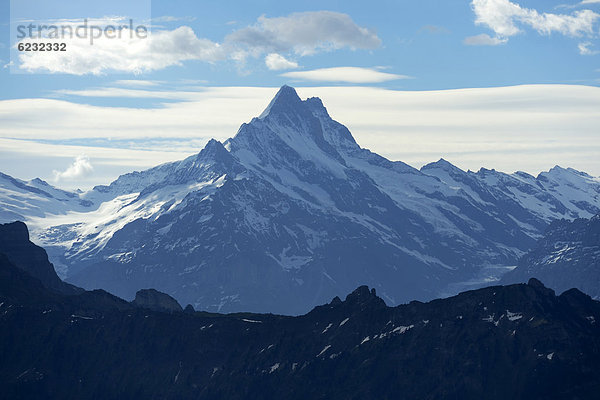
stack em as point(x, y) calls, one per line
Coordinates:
point(40, 182)
point(533, 282)
point(17, 231)
point(23, 254)
point(315, 103)
point(557, 168)
point(214, 153)
point(440, 164)
point(362, 297)
point(285, 99)
point(287, 90)
point(213, 149)
point(484, 171)
point(154, 300)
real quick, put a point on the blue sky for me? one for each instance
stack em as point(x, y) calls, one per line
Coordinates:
point(424, 40)
point(349, 47)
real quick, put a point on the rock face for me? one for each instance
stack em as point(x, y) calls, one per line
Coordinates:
point(512, 342)
point(291, 212)
point(16, 247)
point(156, 301)
point(568, 256)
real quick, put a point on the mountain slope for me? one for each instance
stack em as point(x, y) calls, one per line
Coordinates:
point(291, 212)
point(18, 250)
point(20, 199)
point(567, 256)
point(518, 342)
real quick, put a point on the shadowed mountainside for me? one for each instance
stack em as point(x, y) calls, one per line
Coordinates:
point(567, 256)
point(518, 342)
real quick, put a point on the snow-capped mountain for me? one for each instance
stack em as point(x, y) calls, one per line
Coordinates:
point(20, 199)
point(567, 256)
point(292, 211)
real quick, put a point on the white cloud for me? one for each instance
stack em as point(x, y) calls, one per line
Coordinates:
point(136, 83)
point(170, 18)
point(303, 33)
point(299, 33)
point(578, 5)
point(507, 19)
point(585, 49)
point(80, 168)
point(344, 74)
point(277, 62)
point(137, 93)
point(484, 40)
point(30, 159)
point(159, 50)
point(197, 114)
point(528, 128)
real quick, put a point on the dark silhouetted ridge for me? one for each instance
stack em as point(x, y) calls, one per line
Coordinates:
point(15, 245)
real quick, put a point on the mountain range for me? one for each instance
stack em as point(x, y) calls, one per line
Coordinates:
point(291, 212)
point(567, 256)
point(519, 342)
